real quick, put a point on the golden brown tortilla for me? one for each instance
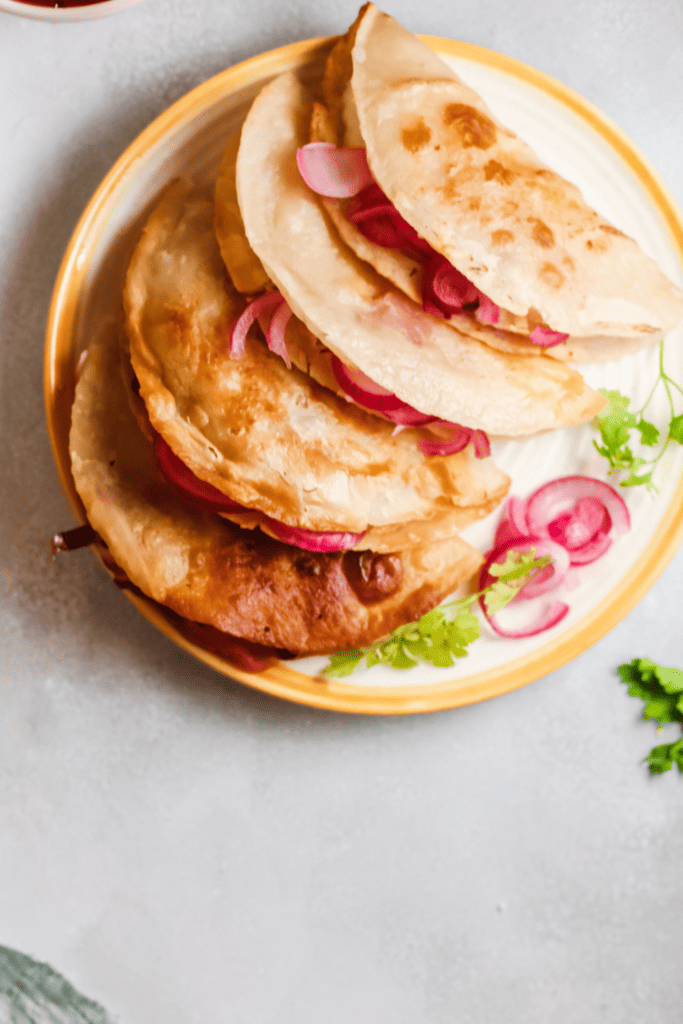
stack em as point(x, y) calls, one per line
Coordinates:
point(266, 436)
point(244, 266)
point(211, 571)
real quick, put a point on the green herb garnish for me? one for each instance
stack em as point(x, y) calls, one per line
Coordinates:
point(616, 424)
point(445, 632)
point(662, 691)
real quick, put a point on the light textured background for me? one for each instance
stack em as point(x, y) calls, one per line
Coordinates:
point(188, 851)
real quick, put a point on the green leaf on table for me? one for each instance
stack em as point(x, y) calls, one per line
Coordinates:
point(662, 758)
point(661, 690)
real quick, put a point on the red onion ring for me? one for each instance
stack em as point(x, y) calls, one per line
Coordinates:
point(459, 438)
point(184, 480)
point(238, 335)
point(541, 583)
point(379, 220)
point(546, 504)
point(446, 287)
point(332, 171)
point(313, 540)
point(362, 390)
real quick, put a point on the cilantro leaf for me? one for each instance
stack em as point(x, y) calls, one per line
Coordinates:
point(615, 423)
point(343, 663)
point(619, 426)
point(649, 434)
point(632, 480)
point(663, 758)
point(661, 690)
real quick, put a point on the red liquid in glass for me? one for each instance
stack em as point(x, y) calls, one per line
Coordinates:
point(61, 3)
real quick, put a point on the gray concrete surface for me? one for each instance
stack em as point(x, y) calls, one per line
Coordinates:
point(187, 851)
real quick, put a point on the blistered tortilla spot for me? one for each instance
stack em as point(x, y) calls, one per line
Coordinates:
point(541, 234)
point(609, 230)
point(475, 203)
point(551, 276)
point(568, 263)
point(416, 137)
point(509, 208)
point(502, 237)
point(495, 170)
point(475, 129)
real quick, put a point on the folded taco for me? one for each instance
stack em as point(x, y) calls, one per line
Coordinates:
point(369, 326)
point(286, 454)
point(462, 215)
point(228, 588)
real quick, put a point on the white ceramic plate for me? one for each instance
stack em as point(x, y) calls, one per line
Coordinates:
point(573, 138)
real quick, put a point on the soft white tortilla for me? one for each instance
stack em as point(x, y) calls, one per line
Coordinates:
point(479, 195)
point(365, 321)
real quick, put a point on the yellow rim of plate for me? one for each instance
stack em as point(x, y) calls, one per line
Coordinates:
point(283, 680)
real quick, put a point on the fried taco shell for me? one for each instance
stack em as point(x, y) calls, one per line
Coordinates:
point(267, 436)
point(212, 572)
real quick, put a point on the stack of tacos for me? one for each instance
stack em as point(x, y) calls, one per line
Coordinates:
point(284, 447)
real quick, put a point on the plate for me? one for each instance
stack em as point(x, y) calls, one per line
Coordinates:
point(574, 138)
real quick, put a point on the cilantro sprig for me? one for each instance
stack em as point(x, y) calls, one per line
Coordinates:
point(445, 632)
point(662, 691)
point(619, 426)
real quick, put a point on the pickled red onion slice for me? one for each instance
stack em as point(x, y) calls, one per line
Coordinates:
point(212, 500)
point(362, 390)
point(179, 475)
point(591, 551)
point(487, 312)
point(516, 510)
point(548, 618)
point(481, 444)
point(379, 220)
point(457, 438)
point(550, 501)
point(275, 335)
point(238, 335)
point(329, 170)
point(577, 527)
point(446, 287)
point(313, 540)
point(545, 337)
point(542, 582)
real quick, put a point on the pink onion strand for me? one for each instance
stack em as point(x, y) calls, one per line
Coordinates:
point(238, 335)
point(275, 335)
point(545, 337)
point(328, 170)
